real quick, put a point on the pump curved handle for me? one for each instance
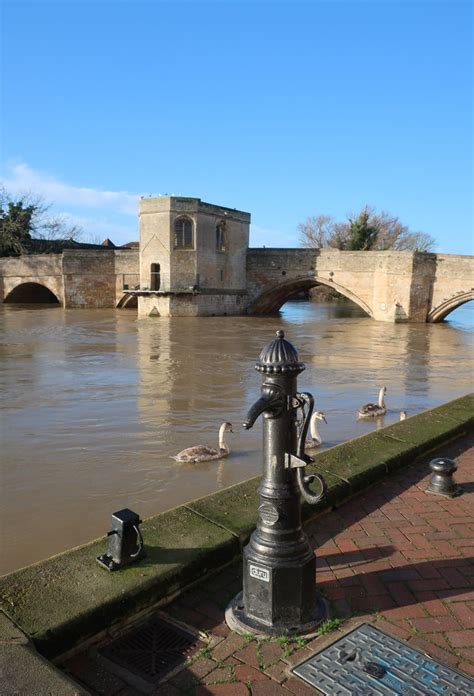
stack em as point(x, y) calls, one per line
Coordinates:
point(306, 492)
point(303, 480)
point(139, 542)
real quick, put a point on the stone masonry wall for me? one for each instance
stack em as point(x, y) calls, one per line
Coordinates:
point(453, 283)
point(286, 271)
point(388, 285)
point(127, 271)
point(191, 306)
point(89, 278)
point(44, 269)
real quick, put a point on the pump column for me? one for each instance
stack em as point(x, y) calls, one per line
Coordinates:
point(279, 595)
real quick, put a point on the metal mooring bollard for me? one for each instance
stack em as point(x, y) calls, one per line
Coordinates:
point(442, 481)
point(125, 541)
point(279, 594)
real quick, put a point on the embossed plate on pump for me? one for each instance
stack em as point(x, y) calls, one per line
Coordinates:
point(369, 662)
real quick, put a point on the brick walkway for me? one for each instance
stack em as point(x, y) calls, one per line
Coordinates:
point(395, 556)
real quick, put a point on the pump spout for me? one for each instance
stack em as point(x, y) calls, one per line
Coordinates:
point(272, 400)
point(255, 411)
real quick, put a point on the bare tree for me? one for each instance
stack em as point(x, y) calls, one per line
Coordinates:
point(389, 229)
point(415, 241)
point(58, 227)
point(368, 230)
point(44, 225)
point(316, 231)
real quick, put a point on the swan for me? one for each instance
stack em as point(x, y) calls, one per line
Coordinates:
point(403, 415)
point(315, 438)
point(201, 453)
point(371, 410)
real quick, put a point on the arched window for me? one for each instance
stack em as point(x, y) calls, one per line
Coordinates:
point(183, 233)
point(220, 236)
point(155, 276)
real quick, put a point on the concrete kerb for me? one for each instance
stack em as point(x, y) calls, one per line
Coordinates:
point(24, 671)
point(65, 600)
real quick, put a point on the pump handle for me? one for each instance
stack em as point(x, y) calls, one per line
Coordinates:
point(139, 542)
point(303, 481)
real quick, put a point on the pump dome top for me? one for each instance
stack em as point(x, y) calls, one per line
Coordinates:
point(279, 356)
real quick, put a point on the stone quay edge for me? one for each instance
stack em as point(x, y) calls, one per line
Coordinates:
point(66, 600)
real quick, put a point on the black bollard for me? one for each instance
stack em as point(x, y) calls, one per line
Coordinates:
point(279, 594)
point(125, 541)
point(442, 481)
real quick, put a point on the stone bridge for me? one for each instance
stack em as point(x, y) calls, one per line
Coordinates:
point(388, 286)
point(74, 278)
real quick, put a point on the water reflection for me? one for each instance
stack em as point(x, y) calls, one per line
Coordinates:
point(94, 403)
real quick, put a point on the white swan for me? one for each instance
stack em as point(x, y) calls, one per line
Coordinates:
point(201, 453)
point(403, 415)
point(371, 410)
point(315, 438)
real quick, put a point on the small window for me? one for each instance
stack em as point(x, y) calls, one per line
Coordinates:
point(155, 276)
point(220, 236)
point(222, 275)
point(183, 233)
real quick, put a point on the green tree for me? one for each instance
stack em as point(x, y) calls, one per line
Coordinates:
point(24, 219)
point(15, 227)
point(362, 232)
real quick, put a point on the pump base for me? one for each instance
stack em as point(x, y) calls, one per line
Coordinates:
point(238, 622)
point(108, 562)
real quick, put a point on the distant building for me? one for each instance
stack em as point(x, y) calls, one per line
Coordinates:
point(57, 246)
point(192, 257)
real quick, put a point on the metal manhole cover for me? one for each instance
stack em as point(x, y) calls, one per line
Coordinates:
point(369, 662)
point(152, 650)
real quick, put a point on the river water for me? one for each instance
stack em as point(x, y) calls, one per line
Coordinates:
point(93, 403)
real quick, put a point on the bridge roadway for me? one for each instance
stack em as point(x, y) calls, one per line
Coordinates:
point(387, 285)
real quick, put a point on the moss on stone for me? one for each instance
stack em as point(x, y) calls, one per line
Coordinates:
point(234, 508)
point(70, 596)
point(430, 428)
point(459, 409)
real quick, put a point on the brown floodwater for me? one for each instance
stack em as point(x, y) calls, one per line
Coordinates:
point(94, 403)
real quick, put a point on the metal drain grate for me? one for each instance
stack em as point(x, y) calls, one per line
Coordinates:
point(369, 662)
point(152, 650)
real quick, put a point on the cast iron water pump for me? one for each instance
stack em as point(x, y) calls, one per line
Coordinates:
point(279, 594)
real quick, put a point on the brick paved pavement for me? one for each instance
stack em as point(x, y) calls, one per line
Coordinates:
point(394, 556)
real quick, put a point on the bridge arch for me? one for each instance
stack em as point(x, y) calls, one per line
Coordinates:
point(449, 305)
point(32, 293)
point(270, 301)
point(127, 301)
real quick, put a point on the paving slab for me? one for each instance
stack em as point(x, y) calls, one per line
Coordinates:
point(23, 671)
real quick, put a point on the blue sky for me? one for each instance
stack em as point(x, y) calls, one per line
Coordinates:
point(282, 109)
